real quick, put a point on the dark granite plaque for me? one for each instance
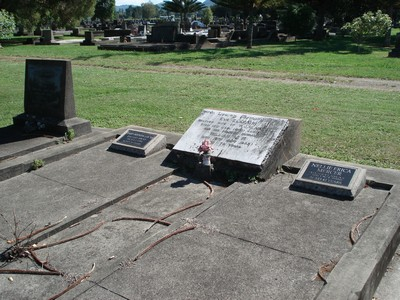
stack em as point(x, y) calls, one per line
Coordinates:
point(330, 178)
point(327, 173)
point(136, 138)
point(139, 142)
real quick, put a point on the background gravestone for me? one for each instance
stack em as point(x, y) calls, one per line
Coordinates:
point(243, 143)
point(47, 38)
point(89, 37)
point(49, 97)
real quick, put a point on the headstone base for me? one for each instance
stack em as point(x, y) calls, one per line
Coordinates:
point(394, 53)
point(47, 43)
point(51, 125)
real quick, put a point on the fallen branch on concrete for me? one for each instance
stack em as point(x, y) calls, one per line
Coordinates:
point(174, 213)
point(28, 272)
point(37, 247)
point(44, 264)
point(178, 231)
point(142, 219)
point(74, 284)
point(35, 232)
point(324, 269)
point(355, 232)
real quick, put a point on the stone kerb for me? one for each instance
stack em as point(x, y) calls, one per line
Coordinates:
point(49, 98)
point(245, 144)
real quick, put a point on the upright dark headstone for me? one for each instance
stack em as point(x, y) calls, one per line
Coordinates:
point(396, 51)
point(245, 143)
point(163, 33)
point(336, 180)
point(49, 97)
point(89, 37)
point(47, 38)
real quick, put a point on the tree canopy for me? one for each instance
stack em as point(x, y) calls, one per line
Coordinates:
point(7, 24)
point(104, 10)
point(183, 7)
point(32, 13)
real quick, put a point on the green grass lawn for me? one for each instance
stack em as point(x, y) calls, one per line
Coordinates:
point(168, 90)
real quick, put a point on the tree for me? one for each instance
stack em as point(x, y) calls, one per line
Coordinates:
point(7, 24)
point(183, 7)
point(368, 25)
point(249, 8)
point(149, 10)
point(207, 17)
point(298, 19)
point(32, 13)
point(104, 10)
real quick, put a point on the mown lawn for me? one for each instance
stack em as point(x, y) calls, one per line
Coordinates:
point(168, 90)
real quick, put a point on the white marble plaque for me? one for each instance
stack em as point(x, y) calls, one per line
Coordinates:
point(235, 136)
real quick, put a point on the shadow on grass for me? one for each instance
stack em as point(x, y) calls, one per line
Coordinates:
point(340, 46)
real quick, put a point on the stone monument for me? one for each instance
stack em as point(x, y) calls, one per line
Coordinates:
point(47, 38)
point(88, 41)
point(49, 98)
point(335, 180)
point(248, 145)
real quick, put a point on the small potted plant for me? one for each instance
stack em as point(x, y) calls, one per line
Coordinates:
point(205, 149)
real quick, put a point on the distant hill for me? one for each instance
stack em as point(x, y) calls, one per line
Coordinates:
point(208, 3)
point(121, 7)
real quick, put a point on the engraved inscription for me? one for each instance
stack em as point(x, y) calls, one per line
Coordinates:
point(330, 174)
point(135, 138)
point(44, 85)
point(235, 136)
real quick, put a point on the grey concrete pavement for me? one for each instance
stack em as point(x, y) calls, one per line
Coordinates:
point(249, 241)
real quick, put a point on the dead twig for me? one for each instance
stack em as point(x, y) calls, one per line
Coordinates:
point(35, 232)
point(354, 232)
point(178, 231)
point(29, 272)
point(68, 239)
point(44, 264)
point(325, 268)
point(166, 223)
point(74, 284)
point(174, 213)
point(210, 188)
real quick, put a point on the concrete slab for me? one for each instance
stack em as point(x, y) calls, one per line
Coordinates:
point(250, 240)
point(112, 243)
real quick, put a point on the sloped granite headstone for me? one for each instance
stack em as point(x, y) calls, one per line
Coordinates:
point(336, 180)
point(243, 143)
point(139, 143)
point(49, 97)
